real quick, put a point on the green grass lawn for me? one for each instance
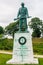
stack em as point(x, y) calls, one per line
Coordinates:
point(5, 57)
point(1, 35)
point(38, 45)
point(7, 44)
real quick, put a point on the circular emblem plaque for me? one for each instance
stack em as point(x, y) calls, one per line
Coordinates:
point(22, 40)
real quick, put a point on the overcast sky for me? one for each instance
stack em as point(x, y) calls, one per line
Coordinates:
point(9, 9)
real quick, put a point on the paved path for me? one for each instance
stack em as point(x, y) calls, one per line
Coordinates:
point(6, 52)
point(38, 56)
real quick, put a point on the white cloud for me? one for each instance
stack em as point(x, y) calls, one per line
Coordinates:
point(9, 9)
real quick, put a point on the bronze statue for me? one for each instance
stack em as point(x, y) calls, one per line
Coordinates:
point(22, 16)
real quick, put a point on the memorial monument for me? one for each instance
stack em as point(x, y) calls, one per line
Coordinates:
point(22, 48)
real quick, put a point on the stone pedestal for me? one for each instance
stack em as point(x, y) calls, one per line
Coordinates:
point(22, 50)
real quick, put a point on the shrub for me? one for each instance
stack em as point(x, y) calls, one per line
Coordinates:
point(6, 44)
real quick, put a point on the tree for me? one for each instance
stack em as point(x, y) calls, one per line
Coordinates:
point(36, 33)
point(35, 24)
point(12, 27)
point(1, 30)
point(42, 29)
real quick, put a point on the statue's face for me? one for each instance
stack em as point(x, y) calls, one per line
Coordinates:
point(22, 4)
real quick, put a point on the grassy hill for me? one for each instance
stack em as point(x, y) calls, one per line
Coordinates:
point(7, 44)
point(37, 40)
point(38, 45)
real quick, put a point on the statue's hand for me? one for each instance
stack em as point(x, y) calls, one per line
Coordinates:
point(28, 17)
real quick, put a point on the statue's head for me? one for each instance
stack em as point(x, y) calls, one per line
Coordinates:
point(22, 4)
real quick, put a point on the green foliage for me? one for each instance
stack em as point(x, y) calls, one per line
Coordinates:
point(1, 30)
point(1, 35)
point(6, 44)
point(35, 24)
point(4, 58)
point(12, 27)
point(36, 33)
point(42, 29)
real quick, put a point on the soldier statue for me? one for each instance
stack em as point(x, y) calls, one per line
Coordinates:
point(22, 16)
